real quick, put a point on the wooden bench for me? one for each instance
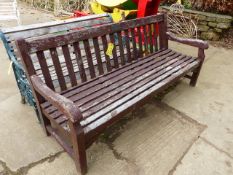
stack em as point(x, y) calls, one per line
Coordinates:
point(76, 112)
point(9, 11)
point(9, 35)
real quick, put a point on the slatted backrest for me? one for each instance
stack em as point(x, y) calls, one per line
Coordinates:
point(97, 50)
point(51, 28)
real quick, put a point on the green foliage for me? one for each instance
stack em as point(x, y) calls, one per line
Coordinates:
point(187, 4)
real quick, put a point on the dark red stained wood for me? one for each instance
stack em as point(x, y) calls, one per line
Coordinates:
point(105, 100)
point(155, 37)
point(163, 41)
point(80, 35)
point(150, 38)
point(139, 34)
point(120, 73)
point(78, 142)
point(58, 69)
point(120, 80)
point(115, 58)
point(89, 58)
point(135, 51)
point(44, 69)
point(127, 44)
point(120, 43)
point(122, 92)
point(116, 82)
point(69, 65)
point(98, 57)
point(192, 42)
point(79, 62)
point(145, 33)
point(105, 46)
point(120, 87)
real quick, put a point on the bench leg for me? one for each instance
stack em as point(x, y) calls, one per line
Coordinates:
point(196, 72)
point(79, 149)
point(195, 76)
point(45, 122)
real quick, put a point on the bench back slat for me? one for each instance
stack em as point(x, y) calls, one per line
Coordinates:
point(127, 44)
point(107, 58)
point(45, 69)
point(163, 42)
point(120, 42)
point(58, 68)
point(89, 58)
point(80, 61)
point(115, 59)
point(134, 42)
point(98, 56)
point(69, 65)
point(150, 38)
point(131, 40)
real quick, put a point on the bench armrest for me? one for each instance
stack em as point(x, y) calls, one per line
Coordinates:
point(192, 42)
point(66, 106)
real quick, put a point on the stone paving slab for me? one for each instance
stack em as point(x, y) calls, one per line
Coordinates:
point(199, 160)
point(153, 140)
point(22, 138)
point(1, 169)
point(210, 103)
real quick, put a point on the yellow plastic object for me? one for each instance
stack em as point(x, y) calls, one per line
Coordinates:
point(97, 8)
point(179, 2)
point(111, 3)
point(110, 49)
point(116, 13)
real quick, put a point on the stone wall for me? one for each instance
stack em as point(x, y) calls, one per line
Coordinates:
point(210, 26)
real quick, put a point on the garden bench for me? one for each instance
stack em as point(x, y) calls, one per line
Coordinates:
point(80, 109)
point(9, 35)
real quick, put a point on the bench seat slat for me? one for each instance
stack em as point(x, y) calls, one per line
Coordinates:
point(114, 82)
point(93, 83)
point(117, 97)
point(115, 86)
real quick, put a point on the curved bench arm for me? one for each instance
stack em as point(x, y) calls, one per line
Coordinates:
point(192, 42)
point(66, 106)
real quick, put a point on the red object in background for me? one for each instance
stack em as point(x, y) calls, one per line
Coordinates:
point(147, 7)
point(78, 13)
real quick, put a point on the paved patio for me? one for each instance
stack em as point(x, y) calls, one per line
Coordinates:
point(189, 133)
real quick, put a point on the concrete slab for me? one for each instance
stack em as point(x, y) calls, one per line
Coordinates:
point(1, 169)
point(205, 159)
point(22, 139)
point(163, 137)
point(152, 141)
point(8, 83)
point(103, 162)
point(61, 165)
point(211, 101)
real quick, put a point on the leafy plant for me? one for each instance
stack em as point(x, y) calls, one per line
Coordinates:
point(187, 4)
